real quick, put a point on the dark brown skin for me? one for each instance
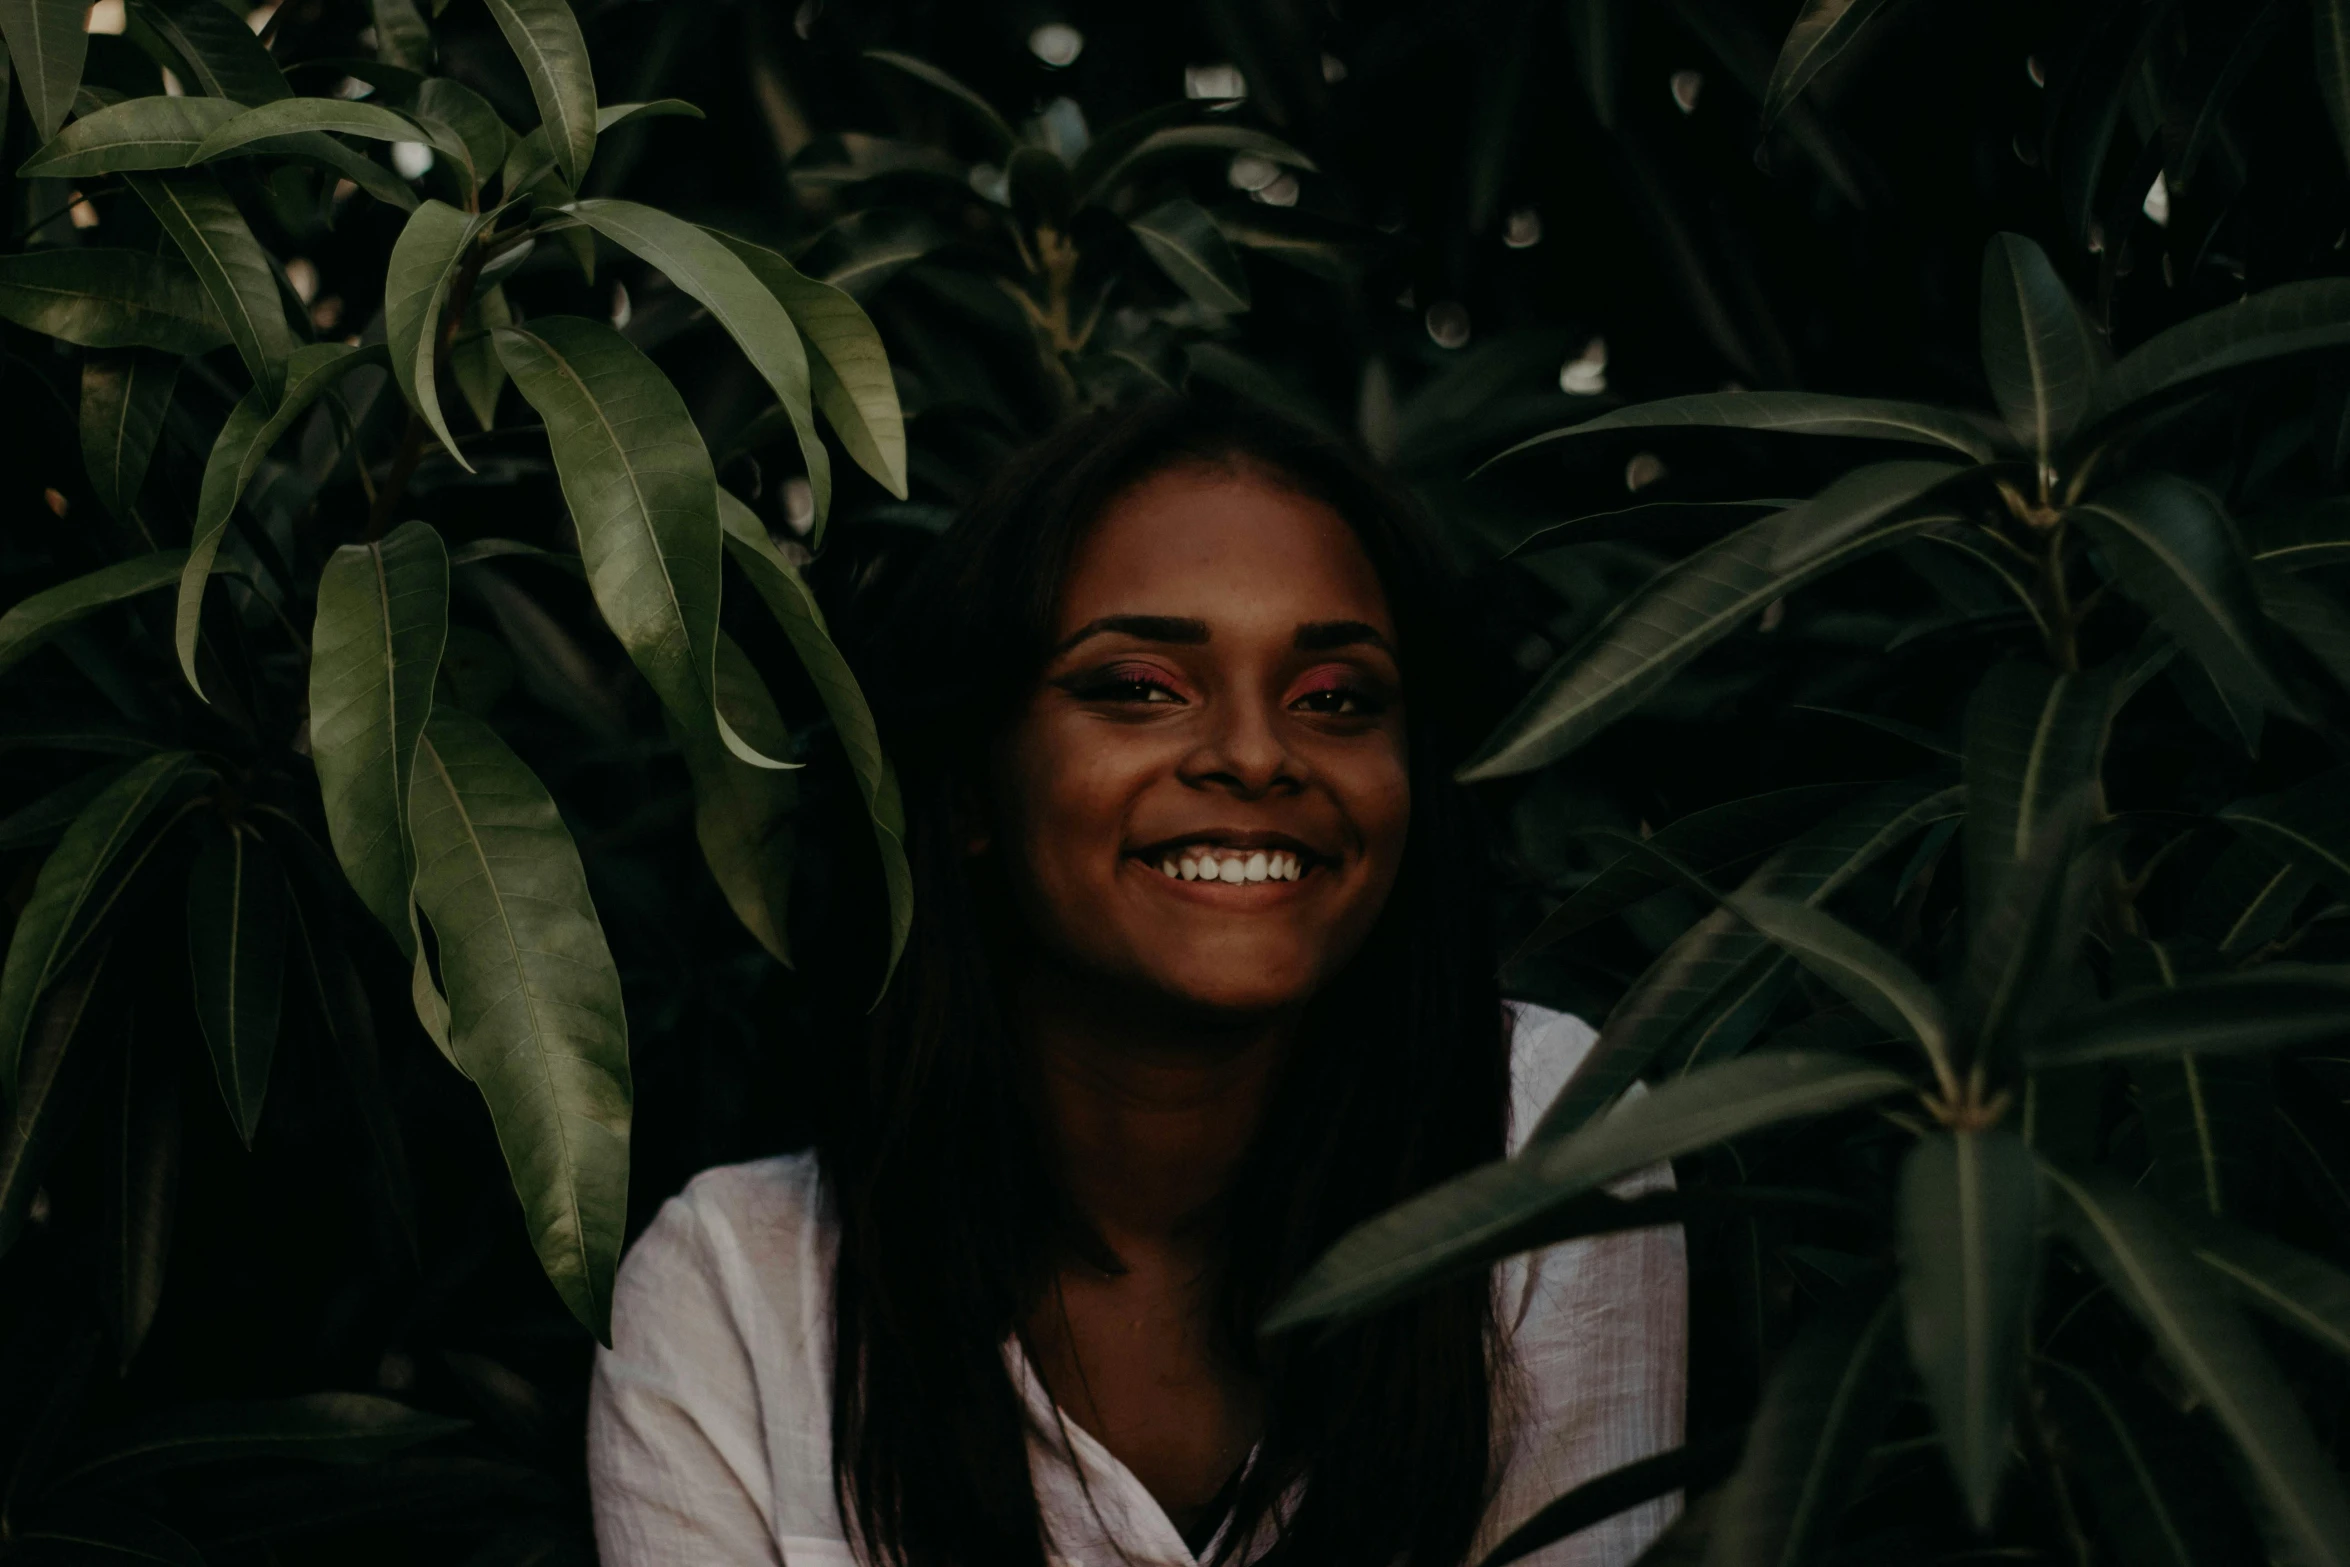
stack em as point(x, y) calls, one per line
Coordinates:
point(1224, 674)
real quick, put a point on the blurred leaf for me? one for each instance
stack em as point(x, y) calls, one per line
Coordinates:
point(2043, 360)
point(2305, 1293)
point(105, 1537)
point(2246, 898)
point(545, 37)
point(1592, 28)
point(99, 298)
point(742, 813)
point(138, 133)
point(2133, 1506)
point(1385, 1258)
point(463, 124)
point(124, 398)
point(237, 959)
point(40, 822)
point(1824, 30)
point(974, 107)
point(2309, 614)
point(197, 213)
point(2288, 319)
point(2330, 24)
point(222, 56)
point(1795, 413)
point(535, 1014)
point(473, 358)
point(336, 1428)
point(1690, 606)
point(1185, 242)
point(32, 621)
point(80, 879)
point(2035, 740)
point(52, 1087)
point(2278, 1006)
point(141, 1150)
point(2303, 825)
point(2306, 536)
point(426, 260)
point(2124, 1238)
point(1619, 1490)
point(1108, 166)
point(46, 44)
point(2183, 154)
point(2208, 1121)
point(866, 249)
point(402, 36)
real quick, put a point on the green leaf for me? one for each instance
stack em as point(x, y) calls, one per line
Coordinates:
point(1692, 605)
point(2035, 741)
point(2303, 825)
point(2043, 359)
point(1108, 166)
point(1185, 242)
point(742, 814)
point(107, 1537)
point(383, 616)
point(2125, 1239)
point(229, 262)
point(2174, 551)
point(1824, 30)
point(1827, 1400)
point(535, 1013)
point(53, 1085)
point(124, 398)
point(464, 124)
point(974, 107)
point(2291, 318)
point(291, 116)
point(237, 957)
point(100, 298)
point(2134, 1507)
point(2208, 1123)
point(252, 427)
point(46, 43)
point(2278, 1006)
point(138, 133)
point(2292, 1288)
point(78, 883)
point(1389, 1256)
point(338, 1428)
point(1887, 990)
point(849, 368)
point(32, 621)
point(402, 36)
point(612, 116)
point(796, 611)
point(30, 826)
point(545, 37)
point(1795, 413)
point(866, 249)
point(706, 268)
point(2330, 23)
point(2309, 614)
point(426, 259)
point(1969, 1240)
point(473, 358)
point(140, 1153)
point(217, 53)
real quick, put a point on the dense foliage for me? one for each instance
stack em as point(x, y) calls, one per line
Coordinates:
point(1958, 854)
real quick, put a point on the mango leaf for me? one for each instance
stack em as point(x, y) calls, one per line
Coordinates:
point(288, 116)
point(2024, 945)
point(100, 298)
point(221, 56)
point(1887, 990)
point(237, 959)
point(2174, 551)
point(2137, 1512)
point(864, 250)
point(1387, 1257)
point(337, 1428)
point(140, 1152)
point(2306, 536)
point(1185, 242)
point(402, 36)
point(32, 621)
point(1795, 413)
point(47, 45)
point(252, 427)
point(78, 882)
point(2035, 740)
point(796, 611)
point(711, 272)
point(138, 133)
point(1822, 1411)
point(53, 1085)
point(849, 369)
point(2278, 1006)
point(426, 259)
point(742, 814)
point(2208, 1122)
point(2330, 21)
point(974, 107)
point(2292, 1288)
point(197, 213)
point(124, 397)
point(1824, 30)
point(463, 124)
point(2043, 359)
point(2303, 825)
point(473, 358)
point(40, 822)
point(1969, 1241)
point(2245, 900)
point(2309, 614)
point(1690, 606)
point(2291, 318)
point(2124, 1237)
point(545, 37)
point(535, 1014)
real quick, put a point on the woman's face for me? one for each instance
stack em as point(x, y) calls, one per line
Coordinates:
point(1205, 797)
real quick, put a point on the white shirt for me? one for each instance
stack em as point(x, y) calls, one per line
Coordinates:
point(709, 1421)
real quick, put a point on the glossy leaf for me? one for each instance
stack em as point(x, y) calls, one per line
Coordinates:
point(124, 398)
point(426, 259)
point(32, 621)
point(2278, 1006)
point(2307, 1294)
point(1694, 604)
point(1386, 1257)
point(545, 37)
point(2303, 825)
point(1887, 990)
point(848, 368)
point(211, 233)
point(53, 1085)
point(2126, 1240)
point(100, 298)
point(2291, 318)
point(287, 116)
point(46, 44)
point(336, 1428)
point(2043, 359)
point(974, 107)
point(141, 1181)
point(78, 882)
point(1795, 413)
point(223, 58)
point(1185, 242)
point(1824, 30)
point(139, 133)
point(742, 814)
point(535, 1014)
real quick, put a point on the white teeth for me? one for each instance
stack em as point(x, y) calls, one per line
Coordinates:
point(1213, 864)
point(1191, 870)
point(1233, 870)
point(1168, 870)
point(1254, 870)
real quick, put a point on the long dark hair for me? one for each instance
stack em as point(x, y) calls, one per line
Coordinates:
point(931, 1144)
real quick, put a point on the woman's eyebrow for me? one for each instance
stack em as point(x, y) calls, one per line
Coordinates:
point(1150, 628)
point(1321, 636)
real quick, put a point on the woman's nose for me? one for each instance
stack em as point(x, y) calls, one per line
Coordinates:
point(1243, 749)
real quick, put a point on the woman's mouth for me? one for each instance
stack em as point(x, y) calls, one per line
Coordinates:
point(1208, 862)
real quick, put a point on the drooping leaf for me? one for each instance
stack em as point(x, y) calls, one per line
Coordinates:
point(46, 44)
point(2137, 1511)
point(1795, 413)
point(337, 1428)
point(222, 57)
point(1185, 242)
point(124, 397)
point(545, 37)
point(101, 298)
point(2278, 1006)
point(464, 124)
point(2208, 1119)
point(30, 622)
point(138, 133)
point(237, 959)
point(864, 250)
point(426, 259)
point(2307, 1294)
point(53, 1084)
point(848, 368)
point(1824, 30)
point(2303, 825)
point(2043, 359)
point(535, 1014)
point(252, 427)
point(742, 813)
point(141, 1151)
point(974, 107)
point(289, 116)
point(796, 611)
point(1386, 1257)
point(2125, 1239)
point(1694, 604)
point(473, 358)
point(1887, 990)
point(709, 270)
point(211, 233)
point(2291, 318)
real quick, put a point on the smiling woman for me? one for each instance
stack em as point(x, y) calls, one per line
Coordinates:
point(1200, 977)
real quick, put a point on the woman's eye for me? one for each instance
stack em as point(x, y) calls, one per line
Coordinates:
point(1127, 686)
point(1341, 701)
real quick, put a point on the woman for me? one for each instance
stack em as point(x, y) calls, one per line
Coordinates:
point(1200, 977)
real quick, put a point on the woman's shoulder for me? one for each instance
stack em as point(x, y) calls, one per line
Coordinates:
point(735, 1229)
point(1545, 1049)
